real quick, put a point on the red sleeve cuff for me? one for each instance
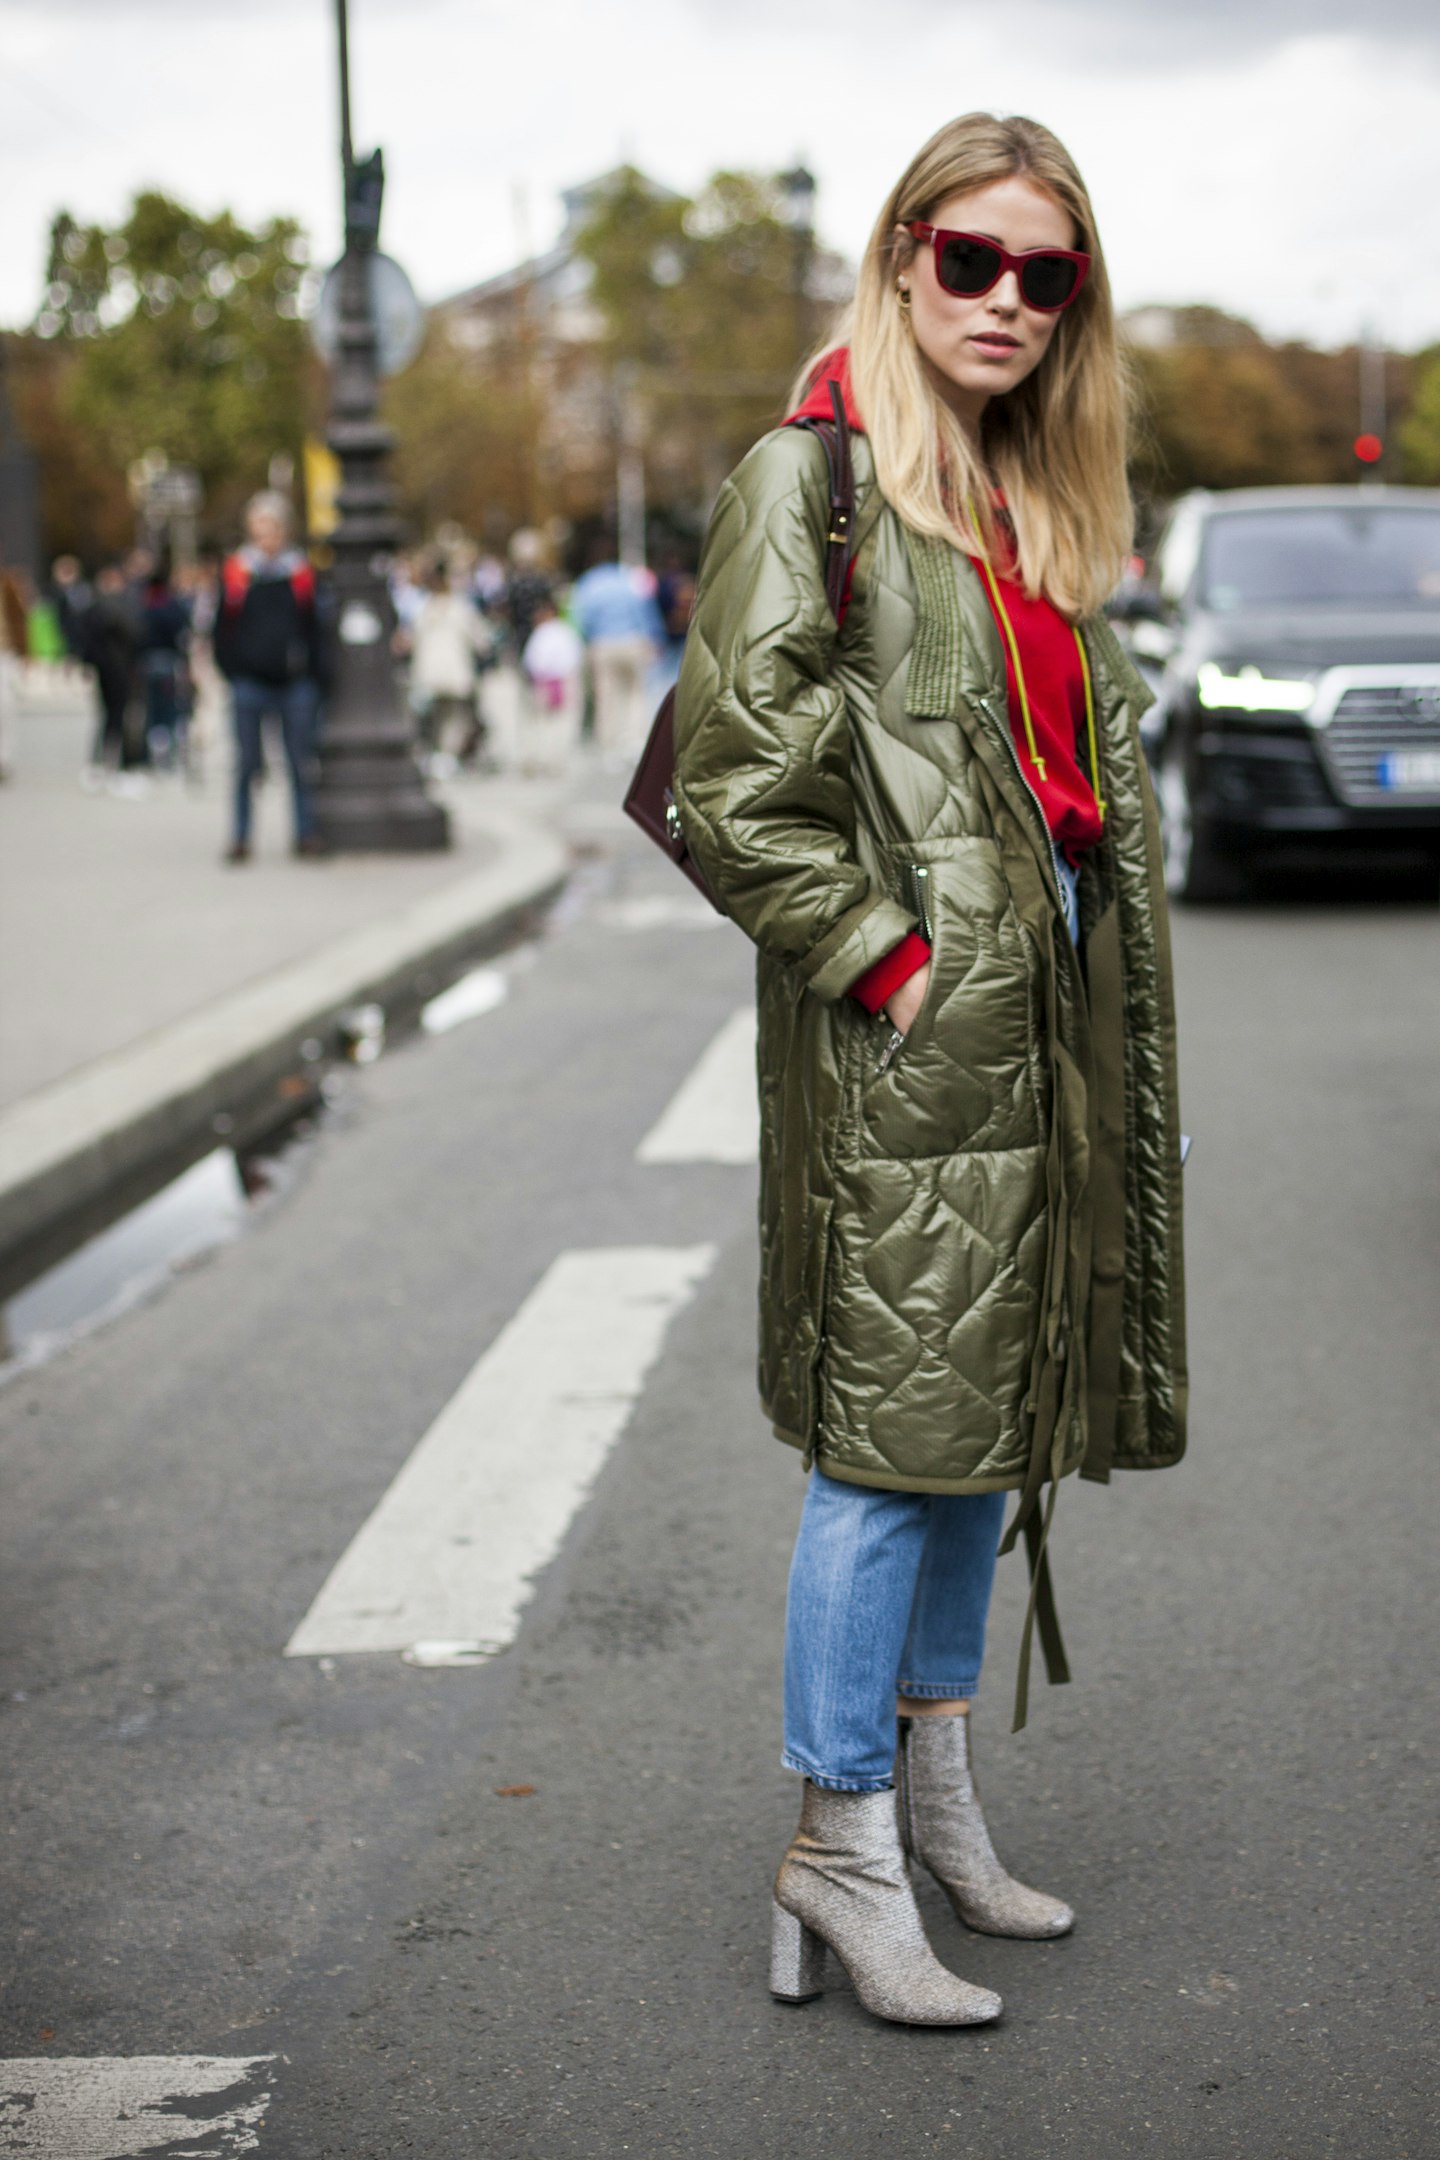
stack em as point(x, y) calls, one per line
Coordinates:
point(881, 981)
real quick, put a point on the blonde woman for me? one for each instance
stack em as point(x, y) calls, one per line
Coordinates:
point(933, 821)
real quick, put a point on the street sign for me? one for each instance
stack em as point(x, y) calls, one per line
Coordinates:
point(399, 317)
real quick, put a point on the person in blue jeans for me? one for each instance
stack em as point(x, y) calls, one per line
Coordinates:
point(268, 646)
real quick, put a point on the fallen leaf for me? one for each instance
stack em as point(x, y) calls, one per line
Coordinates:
point(513, 1792)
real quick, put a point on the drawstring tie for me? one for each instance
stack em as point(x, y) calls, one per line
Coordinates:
point(1049, 1400)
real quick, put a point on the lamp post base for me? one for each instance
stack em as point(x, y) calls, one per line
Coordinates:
point(379, 825)
point(372, 800)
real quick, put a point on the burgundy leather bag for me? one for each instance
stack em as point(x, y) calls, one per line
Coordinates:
point(650, 797)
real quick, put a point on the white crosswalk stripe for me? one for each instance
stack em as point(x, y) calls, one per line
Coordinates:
point(120, 2107)
point(714, 1115)
point(448, 1560)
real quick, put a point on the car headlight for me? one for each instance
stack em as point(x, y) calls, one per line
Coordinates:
point(1250, 691)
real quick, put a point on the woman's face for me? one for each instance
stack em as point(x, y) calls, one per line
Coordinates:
point(978, 349)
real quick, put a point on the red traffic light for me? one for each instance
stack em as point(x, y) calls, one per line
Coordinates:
point(1369, 449)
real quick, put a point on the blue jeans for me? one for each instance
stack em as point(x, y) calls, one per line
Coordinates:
point(889, 1593)
point(296, 705)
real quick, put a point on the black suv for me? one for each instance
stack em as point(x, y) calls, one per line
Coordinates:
point(1294, 638)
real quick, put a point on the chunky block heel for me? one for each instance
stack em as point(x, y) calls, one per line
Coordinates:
point(797, 1959)
point(842, 1886)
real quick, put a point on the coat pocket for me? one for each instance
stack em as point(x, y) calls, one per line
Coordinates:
point(964, 1075)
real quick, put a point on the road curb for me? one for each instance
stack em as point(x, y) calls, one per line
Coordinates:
point(78, 1152)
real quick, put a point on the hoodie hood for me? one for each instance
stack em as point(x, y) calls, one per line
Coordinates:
point(835, 367)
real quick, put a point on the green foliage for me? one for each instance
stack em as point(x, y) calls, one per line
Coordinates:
point(695, 327)
point(463, 444)
point(1218, 417)
point(1419, 431)
point(700, 299)
point(85, 509)
point(185, 336)
point(1220, 407)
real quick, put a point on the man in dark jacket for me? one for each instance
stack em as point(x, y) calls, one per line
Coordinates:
point(110, 643)
point(267, 643)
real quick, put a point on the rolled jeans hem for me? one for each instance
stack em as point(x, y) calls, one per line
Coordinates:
point(836, 1784)
point(927, 1691)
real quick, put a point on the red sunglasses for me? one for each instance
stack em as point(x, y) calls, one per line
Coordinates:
point(967, 264)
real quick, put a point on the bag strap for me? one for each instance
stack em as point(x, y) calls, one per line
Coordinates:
point(835, 439)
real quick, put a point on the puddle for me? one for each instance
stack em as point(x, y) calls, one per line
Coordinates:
point(206, 1206)
point(216, 1199)
point(478, 992)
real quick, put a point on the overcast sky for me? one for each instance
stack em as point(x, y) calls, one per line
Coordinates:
point(1280, 158)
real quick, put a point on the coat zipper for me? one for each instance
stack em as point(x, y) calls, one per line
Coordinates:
point(1003, 728)
point(919, 876)
point(888, 1054)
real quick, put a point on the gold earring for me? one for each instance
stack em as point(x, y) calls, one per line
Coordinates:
point(902, 294)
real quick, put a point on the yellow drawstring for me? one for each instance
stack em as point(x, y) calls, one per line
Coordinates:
point(1035, 758)
point(1007, 627)
point(1090, 723)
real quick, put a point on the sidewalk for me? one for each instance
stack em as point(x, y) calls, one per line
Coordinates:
point(143, 983)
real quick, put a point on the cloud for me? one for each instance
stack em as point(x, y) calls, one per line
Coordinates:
point(1241, 28)
point(1289, 178)
point(1121, 33)
point(1160, 26)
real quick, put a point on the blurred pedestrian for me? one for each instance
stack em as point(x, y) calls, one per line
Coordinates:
point(487, 583)
point(615, 612)
point(935, 825)
point(448, 640)
point(44, 638)
point(198, 584)
point(164, 667)
point(528, 586)
point(408, 584)
point(111, 634)
point(675, 598)
point(14, 646)
point(268, 647)
point(553, 663)
point(72, 598)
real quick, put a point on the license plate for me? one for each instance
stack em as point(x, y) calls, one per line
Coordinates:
point(1409, 769)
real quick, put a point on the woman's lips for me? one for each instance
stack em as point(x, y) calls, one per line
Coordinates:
point(996, 343)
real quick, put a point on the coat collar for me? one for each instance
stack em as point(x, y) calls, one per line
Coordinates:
point(957, 658)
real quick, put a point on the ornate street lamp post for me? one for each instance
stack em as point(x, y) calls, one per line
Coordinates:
point(370, 794)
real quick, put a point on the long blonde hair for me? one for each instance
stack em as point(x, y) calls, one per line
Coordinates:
point(1056, 443)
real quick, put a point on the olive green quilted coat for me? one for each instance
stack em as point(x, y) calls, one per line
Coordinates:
point(971, 1273)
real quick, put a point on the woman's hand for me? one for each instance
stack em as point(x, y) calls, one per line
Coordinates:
point(902, 1005)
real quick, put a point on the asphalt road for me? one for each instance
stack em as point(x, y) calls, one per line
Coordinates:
point(213, 1850)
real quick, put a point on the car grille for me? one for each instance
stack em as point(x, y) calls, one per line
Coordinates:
point(1253, 781)
point(1377, 721)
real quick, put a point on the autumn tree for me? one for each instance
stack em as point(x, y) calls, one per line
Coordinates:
point(1219, 406)
point(180, 333)
point(699, 301)
point(463, 439)
point(1215, 410)
point(1419, 431)
point(85, 507)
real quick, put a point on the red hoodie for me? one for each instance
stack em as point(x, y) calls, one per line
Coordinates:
point(835, 367)
point(1057, 706)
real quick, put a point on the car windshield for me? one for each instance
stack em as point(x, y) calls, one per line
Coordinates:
point(1366, 555)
